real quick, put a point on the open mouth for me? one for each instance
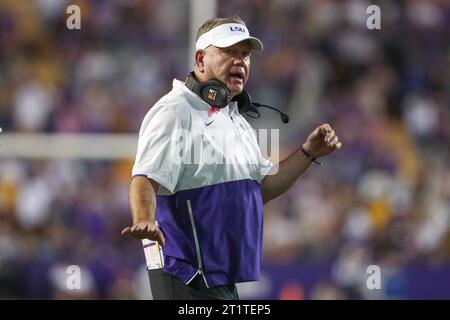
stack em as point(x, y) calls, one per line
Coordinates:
point(237, 75)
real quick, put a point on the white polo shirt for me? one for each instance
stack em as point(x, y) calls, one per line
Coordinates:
point(184, 145)
point(209, 204)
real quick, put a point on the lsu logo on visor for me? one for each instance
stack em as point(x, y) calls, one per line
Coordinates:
point(237, 28)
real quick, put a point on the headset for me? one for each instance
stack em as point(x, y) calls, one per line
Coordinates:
point(216, 94)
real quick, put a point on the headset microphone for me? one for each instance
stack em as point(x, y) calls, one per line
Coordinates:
point(216, 94)
point(284, 116)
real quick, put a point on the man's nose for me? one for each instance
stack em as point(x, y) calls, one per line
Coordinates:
point(239, 59)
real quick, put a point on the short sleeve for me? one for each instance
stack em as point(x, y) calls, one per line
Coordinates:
point(160, 148)
point(265, 167)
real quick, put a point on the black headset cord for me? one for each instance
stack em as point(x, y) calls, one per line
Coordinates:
point(284, 116)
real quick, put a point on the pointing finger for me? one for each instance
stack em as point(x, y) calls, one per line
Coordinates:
point(126, 231)
point(160, 239)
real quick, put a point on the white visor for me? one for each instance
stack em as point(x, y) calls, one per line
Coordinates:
point(226, 35)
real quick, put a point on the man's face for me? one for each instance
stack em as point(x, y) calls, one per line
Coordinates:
point(231, 65)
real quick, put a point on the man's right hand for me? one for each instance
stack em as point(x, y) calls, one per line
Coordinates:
point(145, 230)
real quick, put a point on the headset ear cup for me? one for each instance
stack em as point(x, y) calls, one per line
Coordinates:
point(215, 93)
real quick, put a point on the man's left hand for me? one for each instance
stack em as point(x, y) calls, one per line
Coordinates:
point(322, 141)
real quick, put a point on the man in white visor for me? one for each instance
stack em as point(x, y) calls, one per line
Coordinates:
point(223, 53)
point(200, 180)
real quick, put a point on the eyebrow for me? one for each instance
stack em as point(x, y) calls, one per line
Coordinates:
point(246, 49)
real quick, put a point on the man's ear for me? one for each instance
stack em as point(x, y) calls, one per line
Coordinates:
point(200, 60)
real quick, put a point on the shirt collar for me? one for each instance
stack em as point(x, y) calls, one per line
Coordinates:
point(231, 108)
point(234, 107)
point(180, 85)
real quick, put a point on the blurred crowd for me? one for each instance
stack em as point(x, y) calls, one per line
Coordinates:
point(383, 200)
